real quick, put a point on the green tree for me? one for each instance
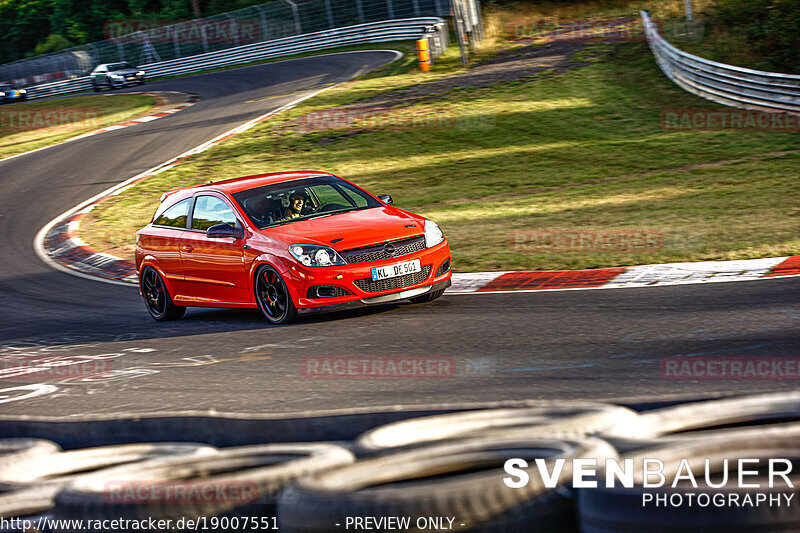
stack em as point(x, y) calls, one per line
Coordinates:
point(52, 43)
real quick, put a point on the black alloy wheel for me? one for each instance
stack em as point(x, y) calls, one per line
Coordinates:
point(273, 296)
point(156, 297)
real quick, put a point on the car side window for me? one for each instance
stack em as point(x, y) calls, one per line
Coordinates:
point(357, 199)
point(327, 194)
point(175, 216)
point(210, 211)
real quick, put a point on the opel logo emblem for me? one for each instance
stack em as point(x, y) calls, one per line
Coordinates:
point(389, 249)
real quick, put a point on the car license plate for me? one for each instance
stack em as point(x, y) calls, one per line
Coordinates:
point(392, 271)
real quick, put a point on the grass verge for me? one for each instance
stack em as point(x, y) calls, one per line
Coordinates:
point(583, 150)
point(30, 125)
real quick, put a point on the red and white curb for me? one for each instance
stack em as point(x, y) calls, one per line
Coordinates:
point(190, 99)
point(622, 277)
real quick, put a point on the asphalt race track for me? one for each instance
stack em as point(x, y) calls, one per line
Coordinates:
point(600, 344)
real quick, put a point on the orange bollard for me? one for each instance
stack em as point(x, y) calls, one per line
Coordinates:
point(424, 55)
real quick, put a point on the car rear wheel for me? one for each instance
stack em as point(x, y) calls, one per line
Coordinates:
point(156, 297)
point(273, 296)
point(427, 297)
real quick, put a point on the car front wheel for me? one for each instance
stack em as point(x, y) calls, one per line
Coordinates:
point(273, 296)
point(156, 297)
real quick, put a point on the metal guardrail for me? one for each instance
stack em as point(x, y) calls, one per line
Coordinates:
point(725, 84)
point(143, 41)
point(432, 28)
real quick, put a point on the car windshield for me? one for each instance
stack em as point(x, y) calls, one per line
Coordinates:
point(119, 66)
point(302, 199)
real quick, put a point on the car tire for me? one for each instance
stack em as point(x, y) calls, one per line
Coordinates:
point(273, 297)
point(96, 87)
point(427, 297)
point(157, 298)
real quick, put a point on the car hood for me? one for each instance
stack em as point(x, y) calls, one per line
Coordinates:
point(125, 71)
point(355, 229)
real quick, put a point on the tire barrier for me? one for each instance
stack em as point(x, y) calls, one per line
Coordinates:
point(696, 420)
point(14, 450)
point(421, 464)
point(248, 477)
point(29, 483)
point(462, 479)
point(547, 421)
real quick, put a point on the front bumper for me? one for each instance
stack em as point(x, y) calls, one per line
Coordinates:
point(355, 279)
point(376, 300)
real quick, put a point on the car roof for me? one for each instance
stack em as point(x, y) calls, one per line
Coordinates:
point(234, 185)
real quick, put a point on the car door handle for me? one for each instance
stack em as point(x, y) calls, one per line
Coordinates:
point(188, 248)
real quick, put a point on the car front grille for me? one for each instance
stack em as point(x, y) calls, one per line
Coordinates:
point(368, 285)
point(377, 252)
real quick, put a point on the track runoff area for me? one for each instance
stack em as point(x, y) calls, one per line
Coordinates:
point(159, 454)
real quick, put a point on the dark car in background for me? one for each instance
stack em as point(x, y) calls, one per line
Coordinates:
point(114, 75)
point(9, 93)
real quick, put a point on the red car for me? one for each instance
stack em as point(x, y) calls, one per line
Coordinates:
point(288, 243)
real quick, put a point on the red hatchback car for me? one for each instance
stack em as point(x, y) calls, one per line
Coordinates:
point(288, 243)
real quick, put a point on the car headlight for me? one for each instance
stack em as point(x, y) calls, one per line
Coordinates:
point(314, 255)
point(23, 91)
point(115, 76)
point(433, 234)
point(2, 94)
point(140, 73)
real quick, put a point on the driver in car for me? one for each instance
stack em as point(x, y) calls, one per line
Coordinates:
point(296, 202)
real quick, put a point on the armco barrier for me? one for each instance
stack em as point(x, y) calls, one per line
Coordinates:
point(725, 84)
point(432, 28)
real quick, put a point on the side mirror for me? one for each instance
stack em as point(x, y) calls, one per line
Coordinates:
point(224, 230)
point(385, 198)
